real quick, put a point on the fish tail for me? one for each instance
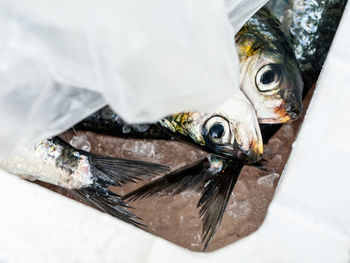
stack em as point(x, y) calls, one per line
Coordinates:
point(109, 202)
point(107, 171)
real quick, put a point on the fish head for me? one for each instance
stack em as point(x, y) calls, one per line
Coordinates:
point(269, 73)
point(231, 131)
point(273, 86)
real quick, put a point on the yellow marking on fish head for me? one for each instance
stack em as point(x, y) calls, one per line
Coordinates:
point(246, 49)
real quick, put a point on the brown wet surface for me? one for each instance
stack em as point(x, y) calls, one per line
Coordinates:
point(176, 218)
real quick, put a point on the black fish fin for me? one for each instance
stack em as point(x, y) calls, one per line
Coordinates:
point(215, 197)
point(106, 201)
point(174, 182)
point(117, 171)
point(108, 171)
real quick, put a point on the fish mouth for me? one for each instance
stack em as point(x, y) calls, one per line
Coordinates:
point(254, 154)
point(282, 119)
point(284, 114)
point(257, 147)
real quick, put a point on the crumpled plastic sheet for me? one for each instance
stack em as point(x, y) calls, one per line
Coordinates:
point(62, 60)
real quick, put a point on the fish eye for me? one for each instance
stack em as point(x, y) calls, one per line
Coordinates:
point(217, 129)
point(268, 77)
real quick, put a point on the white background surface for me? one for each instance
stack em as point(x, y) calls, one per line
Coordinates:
point(308, 220)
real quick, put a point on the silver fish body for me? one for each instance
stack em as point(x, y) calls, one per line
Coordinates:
point(51, 162)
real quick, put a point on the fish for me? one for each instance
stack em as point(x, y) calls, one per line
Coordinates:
point(87, 175)
point(231, 131)
point(269, 73)
point(311, 26)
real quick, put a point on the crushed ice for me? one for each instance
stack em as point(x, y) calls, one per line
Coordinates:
point(81, 142)
point(141, 127)
point(141, 148)
point(268, 180)
point(239, 209)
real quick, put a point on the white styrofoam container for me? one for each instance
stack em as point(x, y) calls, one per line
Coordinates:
point(308, 220)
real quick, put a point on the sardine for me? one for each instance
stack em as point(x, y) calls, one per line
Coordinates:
point(88, 175)
point(232, 131)
point(269, 73)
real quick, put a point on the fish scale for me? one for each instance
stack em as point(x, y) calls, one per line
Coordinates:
point(311, 26)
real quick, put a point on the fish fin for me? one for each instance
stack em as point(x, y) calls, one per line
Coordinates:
point(215, 195)
point(214, 199)
point(116, 171)
point(174, 182)
point(108, 171)
point(106, 201)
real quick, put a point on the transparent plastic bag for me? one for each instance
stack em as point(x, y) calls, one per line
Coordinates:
point(61, 60)
point(240, 11)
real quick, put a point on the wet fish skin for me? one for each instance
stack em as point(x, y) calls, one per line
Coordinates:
point(311, 25)
point(269, 73)
point(50, 161)
point(88, 176)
